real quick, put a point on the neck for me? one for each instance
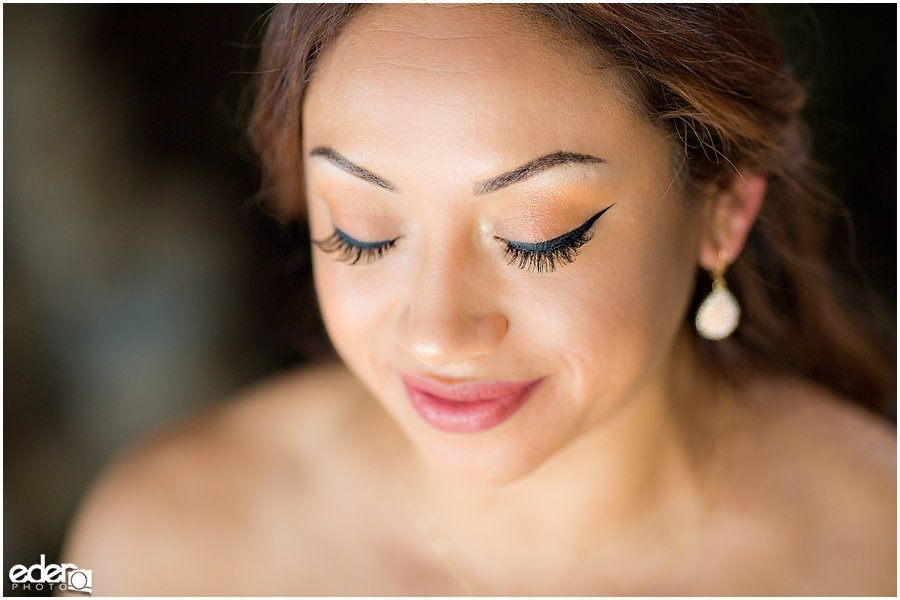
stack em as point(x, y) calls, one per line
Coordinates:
point(634, 480)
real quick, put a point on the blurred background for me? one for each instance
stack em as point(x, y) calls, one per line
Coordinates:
point(141, 283)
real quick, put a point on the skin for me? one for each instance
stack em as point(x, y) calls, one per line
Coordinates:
point(311, 485)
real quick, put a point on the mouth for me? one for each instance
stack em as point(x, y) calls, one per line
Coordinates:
point(467, 407)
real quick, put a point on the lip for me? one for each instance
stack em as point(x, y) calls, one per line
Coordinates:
point(467, 407)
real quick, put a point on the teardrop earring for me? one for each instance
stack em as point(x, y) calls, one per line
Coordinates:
point(719, 313)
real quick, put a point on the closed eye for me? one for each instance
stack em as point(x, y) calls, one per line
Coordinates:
point(544, 256)
point(541, 257)
point(353, 251)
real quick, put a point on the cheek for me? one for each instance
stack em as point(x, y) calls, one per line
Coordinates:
point(615, 319)
point(357, 304)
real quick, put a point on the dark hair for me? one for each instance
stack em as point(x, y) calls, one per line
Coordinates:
point(711, 77)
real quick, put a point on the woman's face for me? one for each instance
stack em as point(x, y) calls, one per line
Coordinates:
point(447, 145)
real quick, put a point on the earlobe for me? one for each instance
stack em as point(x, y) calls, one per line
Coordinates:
point(733, 211)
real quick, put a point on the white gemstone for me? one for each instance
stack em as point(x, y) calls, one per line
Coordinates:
point(718, 315)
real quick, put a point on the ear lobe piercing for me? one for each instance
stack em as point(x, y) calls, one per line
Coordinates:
point(719, 313)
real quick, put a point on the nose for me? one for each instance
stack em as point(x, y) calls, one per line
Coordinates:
point(452, 313)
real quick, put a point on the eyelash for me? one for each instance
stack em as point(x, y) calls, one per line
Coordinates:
point(540, 261)
point(353, 251)
point(541, 257)
point(545, 261)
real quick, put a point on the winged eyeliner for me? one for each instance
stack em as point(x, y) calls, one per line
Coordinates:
point(540, 256)
point(560, 241)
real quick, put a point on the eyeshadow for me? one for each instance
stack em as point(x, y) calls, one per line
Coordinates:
point(559, 241)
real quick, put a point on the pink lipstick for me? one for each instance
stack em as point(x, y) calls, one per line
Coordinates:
point(467, 407)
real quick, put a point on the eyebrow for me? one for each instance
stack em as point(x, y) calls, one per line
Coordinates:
point(532, 168)
point(529, 169)
point(341, 162)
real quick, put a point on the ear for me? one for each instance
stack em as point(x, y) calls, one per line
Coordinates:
point(730, 214)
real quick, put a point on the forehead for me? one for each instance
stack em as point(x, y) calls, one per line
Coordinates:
point(485, 80)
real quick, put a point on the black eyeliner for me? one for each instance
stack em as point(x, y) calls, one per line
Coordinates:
point(361, 245)
point(558, 242)
point(353, 251)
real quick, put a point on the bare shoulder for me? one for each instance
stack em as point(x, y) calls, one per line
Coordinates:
point(821, 472)
point(232, 492)
point(829, 438)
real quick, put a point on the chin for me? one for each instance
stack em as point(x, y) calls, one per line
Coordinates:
point(493, 458)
